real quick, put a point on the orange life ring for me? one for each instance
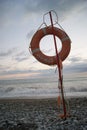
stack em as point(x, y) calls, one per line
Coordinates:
point(38, 54)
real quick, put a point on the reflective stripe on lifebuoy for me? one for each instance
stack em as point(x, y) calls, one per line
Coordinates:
point(38, 54)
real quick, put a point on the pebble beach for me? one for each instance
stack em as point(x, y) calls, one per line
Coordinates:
point(42, 114)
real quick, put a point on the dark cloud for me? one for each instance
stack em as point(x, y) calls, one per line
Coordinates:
point(8, 52)
point(20, 59)
point(13, 53)
point(72, 68)
point(18, 71)
point(75, 59)
point(17, 11)
point(3, 69)
point(30, 33)
point(21, 53)
point(21, 56)
point(76, 66)
point(20, 9)
point(38, 73)
point(64, 7)
point(46, 72)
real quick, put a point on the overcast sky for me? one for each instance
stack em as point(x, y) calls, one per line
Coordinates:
point(20, 19)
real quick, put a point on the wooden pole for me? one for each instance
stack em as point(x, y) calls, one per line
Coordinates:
point(59, 67)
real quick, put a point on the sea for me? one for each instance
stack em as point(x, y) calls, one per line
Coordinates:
point(36, 88)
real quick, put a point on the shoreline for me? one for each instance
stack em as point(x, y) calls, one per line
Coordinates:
point(38, 98)
point(48, 96)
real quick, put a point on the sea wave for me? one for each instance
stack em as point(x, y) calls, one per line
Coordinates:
point(41, 87)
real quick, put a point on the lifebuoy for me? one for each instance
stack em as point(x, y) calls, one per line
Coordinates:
point(38, 54)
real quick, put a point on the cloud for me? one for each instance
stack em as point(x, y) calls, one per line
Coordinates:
point(82, 67)
point(30, 34)
point(21, 56)
point(28, 73)
point(17, 71)
point(72, 68)
point(64, 8)
point(15, 54)
point(3, 69)
point(7, 53)
point(14, 11)
point(77, 64)
point(75, 59)
point(20, 59)
point(46, 72)
point(20, 15)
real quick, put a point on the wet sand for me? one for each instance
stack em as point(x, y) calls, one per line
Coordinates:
point(42, 114)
